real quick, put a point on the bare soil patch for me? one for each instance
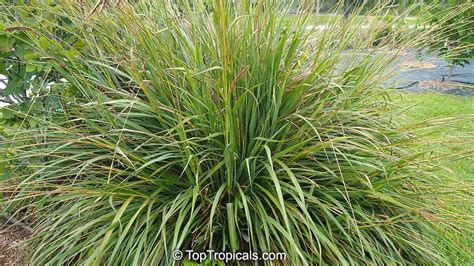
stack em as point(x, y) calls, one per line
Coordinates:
point(443, 85)
point(418, 64)
point(10, 239)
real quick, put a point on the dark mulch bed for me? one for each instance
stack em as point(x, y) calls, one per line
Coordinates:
point(428, 73)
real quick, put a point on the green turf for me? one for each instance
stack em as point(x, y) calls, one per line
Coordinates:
point(425, 106)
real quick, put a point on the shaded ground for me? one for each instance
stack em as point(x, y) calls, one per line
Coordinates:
point(10, 237)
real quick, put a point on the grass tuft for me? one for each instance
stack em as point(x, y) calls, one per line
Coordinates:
point(224, 127)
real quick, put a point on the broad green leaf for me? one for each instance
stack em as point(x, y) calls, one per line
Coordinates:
point(6, 43)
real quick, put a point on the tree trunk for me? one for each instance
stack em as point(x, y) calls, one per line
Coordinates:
point(405, 4)
point(316, 12)
point(450, 73)
point(347, 8)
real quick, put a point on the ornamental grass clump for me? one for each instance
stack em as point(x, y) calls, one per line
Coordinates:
point(220, 126)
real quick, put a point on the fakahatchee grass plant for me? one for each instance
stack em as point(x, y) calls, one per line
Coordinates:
point(222, 126)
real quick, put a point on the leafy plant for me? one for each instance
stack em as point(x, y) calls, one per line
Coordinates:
point(29, 80)
point(222, 127)
point(455, 24)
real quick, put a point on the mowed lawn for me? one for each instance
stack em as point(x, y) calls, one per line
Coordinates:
point(424, 106)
